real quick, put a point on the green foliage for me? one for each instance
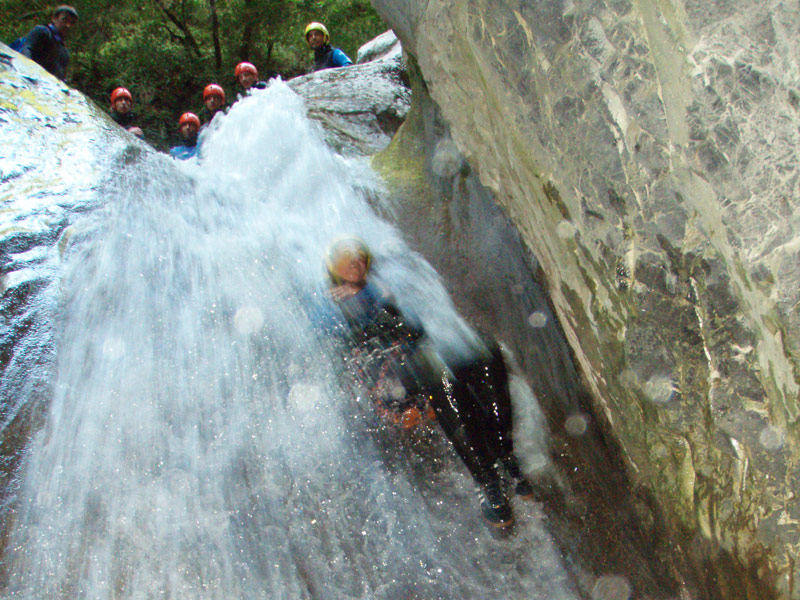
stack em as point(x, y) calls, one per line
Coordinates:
point(165, 51)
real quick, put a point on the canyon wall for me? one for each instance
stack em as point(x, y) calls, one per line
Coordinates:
point(646, 151)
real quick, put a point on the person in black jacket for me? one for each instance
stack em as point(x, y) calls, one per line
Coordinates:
point(214, 100)
point(121, 104)
point(45, 43)
point(325, 55)
point(392, 357)
point(247, 76)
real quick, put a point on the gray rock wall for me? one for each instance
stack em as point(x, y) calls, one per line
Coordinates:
point(647, 153)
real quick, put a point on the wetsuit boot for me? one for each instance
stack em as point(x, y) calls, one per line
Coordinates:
point(494, 505)
point(522, 487)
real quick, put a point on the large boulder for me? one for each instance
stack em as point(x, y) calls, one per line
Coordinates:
point(647, 154)
point(359, 107)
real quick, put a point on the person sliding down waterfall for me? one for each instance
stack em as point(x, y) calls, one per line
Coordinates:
point(391, 354)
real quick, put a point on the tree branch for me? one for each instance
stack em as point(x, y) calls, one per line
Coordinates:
point(188, 38)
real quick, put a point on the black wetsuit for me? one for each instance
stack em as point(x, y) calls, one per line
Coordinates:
point(45, 45)
point(206, 116)
point(471, 400)
point(124, 120)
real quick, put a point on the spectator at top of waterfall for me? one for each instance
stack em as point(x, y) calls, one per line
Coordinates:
point(325, 56)
point(394, 359)
point(45, 43)
point(214, 100)
point(188, 127)
point(247, 76)
point(121, 104)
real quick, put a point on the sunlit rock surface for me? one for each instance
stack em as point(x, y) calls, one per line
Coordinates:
point(647, 152)
point(53, 162)
point(386, 45)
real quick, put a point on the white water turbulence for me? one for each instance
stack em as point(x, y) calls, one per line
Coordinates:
point(199, 443)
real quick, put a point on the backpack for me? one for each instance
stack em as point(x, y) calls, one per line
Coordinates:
point(17, 44)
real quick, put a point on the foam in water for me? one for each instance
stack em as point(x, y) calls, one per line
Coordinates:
point(199, 444)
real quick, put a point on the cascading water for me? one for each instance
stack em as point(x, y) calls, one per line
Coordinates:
point(199, 443)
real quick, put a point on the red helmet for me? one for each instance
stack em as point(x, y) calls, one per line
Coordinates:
point(213, 89)
point(189, 117)
point(245, 67)
point(120, 92)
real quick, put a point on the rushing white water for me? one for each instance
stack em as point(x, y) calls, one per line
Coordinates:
point(198, 444)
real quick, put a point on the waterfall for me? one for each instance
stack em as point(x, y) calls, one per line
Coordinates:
point(199, 442)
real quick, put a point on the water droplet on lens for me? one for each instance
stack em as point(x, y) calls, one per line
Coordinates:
point(660, 389)
point(772, 438)
point(611, 587)
point(576, 425)
point(113, 347)
point(248, 319)
point(396, 390)
point(565, 230)
point(537, 319)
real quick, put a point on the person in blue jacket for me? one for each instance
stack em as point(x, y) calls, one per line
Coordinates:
point(392, 357)
point(325, 56)
point(188, 127)
point(45, 43)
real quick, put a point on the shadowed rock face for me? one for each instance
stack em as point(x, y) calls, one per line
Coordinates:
point(647, 153)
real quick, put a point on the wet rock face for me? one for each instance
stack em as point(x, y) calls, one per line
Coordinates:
point(647, 152)
point(47, 182)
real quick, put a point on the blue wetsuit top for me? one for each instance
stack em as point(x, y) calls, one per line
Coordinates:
point(183, 152)
point(328, 57)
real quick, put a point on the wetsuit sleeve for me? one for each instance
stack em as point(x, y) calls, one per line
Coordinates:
point(409, 323)
point(388, 325)
point(324, 316)
point(34, 41)
point(340, 59)
point(183, 152)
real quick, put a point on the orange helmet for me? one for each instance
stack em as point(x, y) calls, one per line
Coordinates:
point(213, 89)
point(120, 92)
point(245, 67)
point(189, 117)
